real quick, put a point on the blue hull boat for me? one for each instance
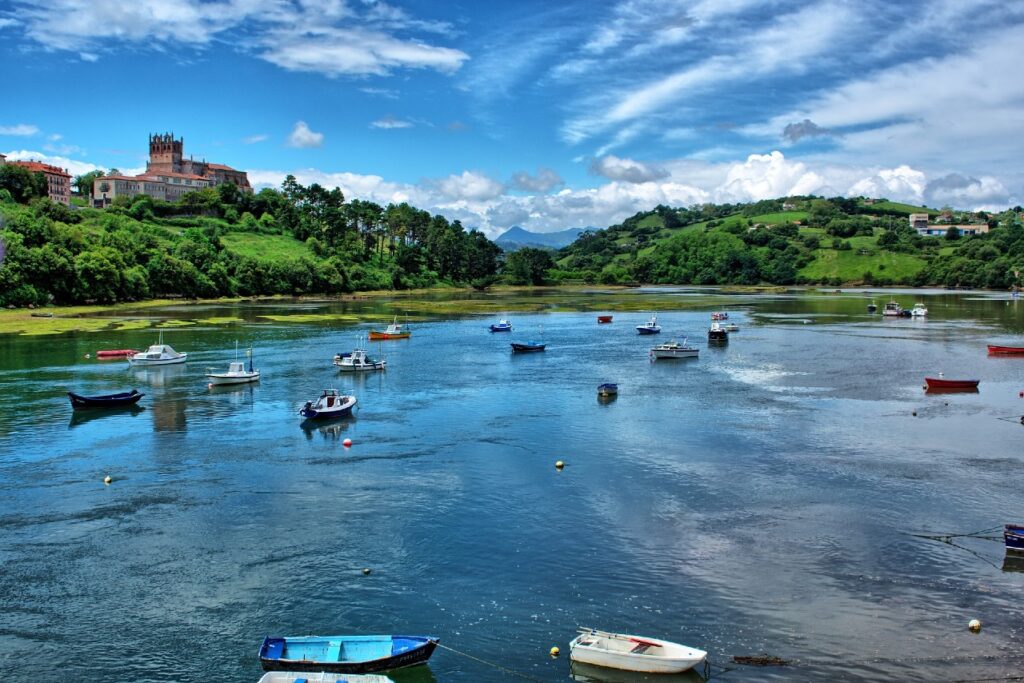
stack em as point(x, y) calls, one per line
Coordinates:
point(125, 398)
point(502, 326)
point(607, 389)
point(527, 347)
point(345, 654)
point(1013, 534)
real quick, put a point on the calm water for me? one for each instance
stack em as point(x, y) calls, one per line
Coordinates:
point(759, 499)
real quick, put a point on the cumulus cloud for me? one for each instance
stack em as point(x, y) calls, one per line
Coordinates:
point(958, 190)
point(469, 185)
point(545, 180)
point(302, 137)
point(390, 122)
point(628, 170)
point(19, 130)
point(804, 129)
point(73, 166)
point(902, 182)
point(253, 139)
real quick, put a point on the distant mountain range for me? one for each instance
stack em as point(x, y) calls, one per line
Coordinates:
point(516, 238)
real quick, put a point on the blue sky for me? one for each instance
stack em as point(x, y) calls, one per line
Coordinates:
point(546, 115)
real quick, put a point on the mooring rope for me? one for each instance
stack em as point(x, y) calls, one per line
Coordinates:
point(492, 664)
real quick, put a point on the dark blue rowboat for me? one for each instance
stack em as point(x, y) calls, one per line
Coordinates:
point(345, 654)
point(524, 347)
point(1013, 534)
point(608, 389)
point(125, 398)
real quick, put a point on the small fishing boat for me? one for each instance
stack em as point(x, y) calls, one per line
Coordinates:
point(604, 319)
point(503, 325)
point(157, 354)
point(394, 331)
point(717, 333)
point(1013, 535)
point(942, 383)
point(321, 677)
point(650, 327)
point(125, 398)
point(731, 327)
point(633, 653)
point(345, 654)
point(608, 389)
point(236, 374)
point(527, 347)
point(116, 353)
point(1005, 350)
point(329, 404)
point(918, 311)
point(872, 307)
point(674, 349)
point(358, 361)
point(892, 309)
point(720, 315)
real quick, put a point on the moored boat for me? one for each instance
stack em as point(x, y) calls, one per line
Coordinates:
point(125, 398)
point(717, 333)
point(918, 311)
point(719, 315)
point(503, 325)
point(872, 307)
point(731, 327)
point(1005, 350)
point(650, 327)
point(943, 383)
point(358, 361)
point(158, 354)
point(393, 331)
point(329, 404)
point(604, 319)
point(892, 309)
point(236, 374)
point(673, 349)
point(116, 353)
point(1013, 536)
point(527, 347)
point(345, 654)
point(320, 677)
point(608, 389)
point(633, 653)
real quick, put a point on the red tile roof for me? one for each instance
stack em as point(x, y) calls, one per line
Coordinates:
point(222, 167)
point(38, 166)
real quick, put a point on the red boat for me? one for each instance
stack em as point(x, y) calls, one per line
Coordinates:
point(604, 318)
point(116, 353)
point(939, 383)
point(1006, 350)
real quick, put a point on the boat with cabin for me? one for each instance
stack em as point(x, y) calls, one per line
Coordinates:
point(731, 327)
point(650, 327)
point(892, 309)
point(345, 654)
point(717, 333)
point(157, 354)
point(236, 374)
point(503, 325)
point(633, 653)
point(358, 361)
point(1013, 536)
point(124, 398)
point(393, 331)
point(918, 311)
point(673, 349)
point(329, 404)
point(719, 315)
point(321, 677)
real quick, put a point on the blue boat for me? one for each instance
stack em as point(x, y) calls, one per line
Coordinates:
point(607, 389)
point(526, 347)
point(1013, 534)
point(125, 398)
point(345, 654)
point(650, 327)
point(502, 325)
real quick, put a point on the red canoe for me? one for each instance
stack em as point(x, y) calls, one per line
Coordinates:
point(604, 318)
point(1006, 350)
point(939, 383)
point(116, 353)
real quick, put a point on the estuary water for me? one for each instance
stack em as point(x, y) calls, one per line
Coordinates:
point(760, 499)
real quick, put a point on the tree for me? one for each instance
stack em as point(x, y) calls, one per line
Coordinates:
point(953, 233)
point(529, 266)
point(22, 183)
point(84, 183)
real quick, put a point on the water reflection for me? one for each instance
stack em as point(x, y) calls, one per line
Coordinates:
point(160, 375)
point(169, 415)
point(599, 674)
point(606, 399)
point(81, 417)
point(1013, 562)
point(330, 429)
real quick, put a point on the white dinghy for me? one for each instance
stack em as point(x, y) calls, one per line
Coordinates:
point(633, 653)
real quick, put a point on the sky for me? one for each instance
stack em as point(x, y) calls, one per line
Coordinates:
point(546, 115)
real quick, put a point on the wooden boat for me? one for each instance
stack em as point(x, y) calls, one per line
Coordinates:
point(649, 327)
point(157, 354)
point(345, 654)
point(527, 347)
point(394, 331)
point(604, 319)
point(633, 653)
point(236, 374)
point(320, 677)
point(717, 334)
point(720, 315)
point(329, 404)
point(608, 389)
point(503, 325)
point(358, 361)
point(116, 353)
point(942, 383)
point(674, 349)
point(1013, 535)
point(125, 398)
point(1005, 350)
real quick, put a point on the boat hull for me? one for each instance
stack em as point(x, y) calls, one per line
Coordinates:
point(1006, 350)
point(319, 677)
point(527, 348)
point(381, 336)
point(125, 398)
point(116, 353)
point(604, 319)
point(419, 652)
point(145, 362)
point(682, 658)
point(667, 354)
point(608, 390)
point(648, 330)
point(363, 367)
point(961, 384)
point(1013, 536)
point(220, 379)
point(501, 328)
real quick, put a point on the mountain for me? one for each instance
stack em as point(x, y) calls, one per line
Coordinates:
point(516, 238)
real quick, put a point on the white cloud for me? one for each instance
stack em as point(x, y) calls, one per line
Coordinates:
point(19, 130)
point(301, 136)
point(254, 139)
point(903, 182)
point(4, 23)
point(73, 166)
point(469, 185)
point(614, 168)
point(390, 122)
point(88, 56)
point(545, 180)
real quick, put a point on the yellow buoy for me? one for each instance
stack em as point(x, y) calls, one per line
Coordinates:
point(559, 465)
point(107, 479)
point(555, 651)
point(974, 625)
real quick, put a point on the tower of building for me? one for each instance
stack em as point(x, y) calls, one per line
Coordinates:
point(165, 153)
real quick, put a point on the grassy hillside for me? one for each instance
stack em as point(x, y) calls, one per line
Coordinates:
point(272, 247)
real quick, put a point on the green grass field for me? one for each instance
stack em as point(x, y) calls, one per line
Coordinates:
point(271, 247)
point(904, 208)
point(851, 265)
point(780, 217)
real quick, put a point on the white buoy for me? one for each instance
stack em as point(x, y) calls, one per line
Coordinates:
point(559, 465)
point(974, 626)
point(107, 479)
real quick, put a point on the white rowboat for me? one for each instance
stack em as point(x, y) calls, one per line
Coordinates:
point(633, 653)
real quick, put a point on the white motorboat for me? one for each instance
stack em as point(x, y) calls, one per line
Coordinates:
point(893, 309)
point(358, 361)
point(633, 653)
point(236, 374)
point(157, 354)
point(673, 349)
point(731, 327)
point(321, 677)
point(329, 404)
point(918, 311)
point(650, 327)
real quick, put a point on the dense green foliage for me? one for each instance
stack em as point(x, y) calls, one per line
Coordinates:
point(799, 240)
point(148, 248)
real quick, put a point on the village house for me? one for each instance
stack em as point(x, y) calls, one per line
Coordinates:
point(58, 180)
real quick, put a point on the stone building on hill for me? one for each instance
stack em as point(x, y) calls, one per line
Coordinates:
point(58, 180)
point(168, 176)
